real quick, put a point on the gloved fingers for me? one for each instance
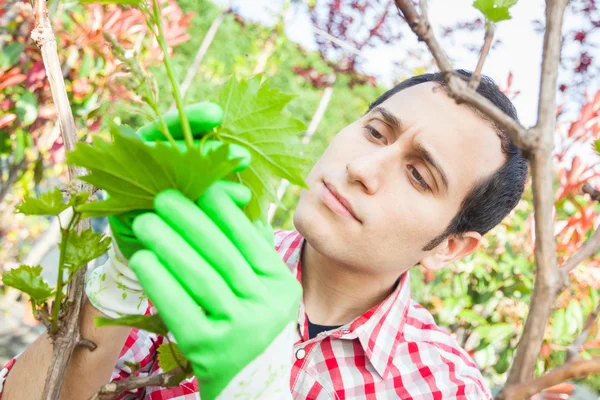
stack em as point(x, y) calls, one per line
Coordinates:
point(266, 231)
point(240, 194)
point(201, 233)
point(235, 151)
point(193, 273)
point(202, 117)
point(179, 311)
point(239, 229)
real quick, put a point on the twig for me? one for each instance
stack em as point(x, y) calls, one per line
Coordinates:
point(458, 88)
point(485, 49)
point(575, 347)
point(595, 194)
point(166, 379)
point(571, 370)
point(69, 337)
point(208, 38)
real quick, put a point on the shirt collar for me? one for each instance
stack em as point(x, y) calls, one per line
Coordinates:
point(379, 330)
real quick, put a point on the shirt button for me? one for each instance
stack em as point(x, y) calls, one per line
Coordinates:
point(300, 354)
point(344, 331)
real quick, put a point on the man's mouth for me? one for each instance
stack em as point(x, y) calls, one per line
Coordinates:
point(336, 202)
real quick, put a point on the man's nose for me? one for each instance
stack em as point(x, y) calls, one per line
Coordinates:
point(369, 170)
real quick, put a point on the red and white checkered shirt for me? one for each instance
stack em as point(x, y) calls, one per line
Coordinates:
point(393, 351)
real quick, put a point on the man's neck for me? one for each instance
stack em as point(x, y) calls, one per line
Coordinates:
point(334, 293)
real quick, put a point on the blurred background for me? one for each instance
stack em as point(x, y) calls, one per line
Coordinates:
point(337, 56)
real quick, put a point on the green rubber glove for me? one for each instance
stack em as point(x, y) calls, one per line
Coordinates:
point(203, 117)
point(220, 287)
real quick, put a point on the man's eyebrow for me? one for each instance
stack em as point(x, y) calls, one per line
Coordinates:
point(389, 118)
point(428, 158)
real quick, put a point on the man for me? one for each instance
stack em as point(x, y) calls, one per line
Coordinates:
point(417, 180)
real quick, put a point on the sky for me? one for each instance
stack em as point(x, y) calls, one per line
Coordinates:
point(520, 51)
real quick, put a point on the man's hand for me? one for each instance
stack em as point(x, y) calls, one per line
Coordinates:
point(113, 288)
point(221, 289)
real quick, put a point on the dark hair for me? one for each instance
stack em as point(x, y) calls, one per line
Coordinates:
point(492, 198)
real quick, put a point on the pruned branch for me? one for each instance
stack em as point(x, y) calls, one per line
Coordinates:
point(458, 88)
point(571, 370)
point(575, 347)
point(166, 379)
point(69, 336)
point(485, 49)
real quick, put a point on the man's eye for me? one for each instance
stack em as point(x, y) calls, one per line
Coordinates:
point(416, 175)
point(374, 133)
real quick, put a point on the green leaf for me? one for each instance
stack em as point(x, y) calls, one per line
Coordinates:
point(574, 317)
point(169, 360)
point(495, 10)
point(9, 55)
point(49, 203)
point(84, 247)
point(86, 65)
point(471, 317)
point(253, 118)
point(28, 280)
point(597, 146)
point(501, 366)
point(27, 108)
point(150, 323)
point(559, 325)
point(133, 173)
point(495, 333)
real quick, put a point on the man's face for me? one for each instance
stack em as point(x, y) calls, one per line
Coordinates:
point(403, 170)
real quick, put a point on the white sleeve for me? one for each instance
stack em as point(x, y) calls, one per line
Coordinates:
point(268, 375)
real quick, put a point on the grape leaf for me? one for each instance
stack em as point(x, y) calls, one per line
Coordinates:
point(84, 247)
point(133, 173)
point(167, 359)
point(150, 323)
point(50, 203)
point(253, 119)
point(597, 146)
point(29, 280)
point(495, 10)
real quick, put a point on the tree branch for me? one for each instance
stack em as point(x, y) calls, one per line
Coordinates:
point(571, 370)
point(575, 347)
point(537, 144)
point(595, 194)
point(458, 88)
point(548, 281)
point(68, 336)
point(166, 379)
point(485, 49)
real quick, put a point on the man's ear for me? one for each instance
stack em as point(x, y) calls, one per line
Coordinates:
point(451, 249)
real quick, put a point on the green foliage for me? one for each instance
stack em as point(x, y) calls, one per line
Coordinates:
point(133, 173)
point(170, 356)
point(83, 247)
point(150, 323)
point(50, 203)
point(28, 279)
point(597, 146)
point(9, 55)
point(253, 119)
point(27, 108)
point(134, 3)
point(495, 10)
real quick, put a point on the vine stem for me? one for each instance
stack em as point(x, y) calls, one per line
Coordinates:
point(160, 37)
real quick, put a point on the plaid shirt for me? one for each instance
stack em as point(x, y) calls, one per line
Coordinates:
point(393, 351)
